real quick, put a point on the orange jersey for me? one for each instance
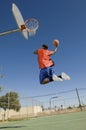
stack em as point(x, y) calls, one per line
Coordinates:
point(44, 59)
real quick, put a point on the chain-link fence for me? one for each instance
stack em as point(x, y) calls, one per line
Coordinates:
point(53, 102)
point(70, 98)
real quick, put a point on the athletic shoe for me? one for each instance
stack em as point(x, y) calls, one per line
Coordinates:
point(65, 76)
point(56, 78)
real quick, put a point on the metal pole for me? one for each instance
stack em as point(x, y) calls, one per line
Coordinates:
point(10, 31)
point(78, 99)
point(51, 99)
point(8, 105)
point(50, 103)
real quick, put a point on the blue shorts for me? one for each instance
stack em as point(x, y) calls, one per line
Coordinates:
point(46, 73)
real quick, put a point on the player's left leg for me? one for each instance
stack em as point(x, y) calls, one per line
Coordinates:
point(61, 77)
point(53, 76)
point(57, 78)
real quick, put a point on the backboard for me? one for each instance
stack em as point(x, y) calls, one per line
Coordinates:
point(19, 20)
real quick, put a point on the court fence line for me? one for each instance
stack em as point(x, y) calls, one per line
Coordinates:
point(54, 103)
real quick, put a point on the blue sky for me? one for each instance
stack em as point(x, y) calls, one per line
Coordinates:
point(59, 19)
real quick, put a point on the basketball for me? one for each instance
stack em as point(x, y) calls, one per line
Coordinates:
point(56, 42)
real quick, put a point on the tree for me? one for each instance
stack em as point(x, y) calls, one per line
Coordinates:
point(10, 101)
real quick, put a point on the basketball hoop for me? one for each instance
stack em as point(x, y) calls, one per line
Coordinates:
point(31, 26)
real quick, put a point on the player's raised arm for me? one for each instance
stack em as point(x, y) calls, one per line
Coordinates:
point(56, 44)
point(55, 50)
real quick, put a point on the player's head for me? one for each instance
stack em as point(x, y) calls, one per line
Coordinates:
point(44, 46)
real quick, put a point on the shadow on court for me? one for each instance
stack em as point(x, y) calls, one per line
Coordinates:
point(10, 127)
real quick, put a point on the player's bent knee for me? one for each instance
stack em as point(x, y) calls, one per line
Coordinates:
point(45, 81)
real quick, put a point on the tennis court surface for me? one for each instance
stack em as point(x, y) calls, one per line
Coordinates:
point(70, 121)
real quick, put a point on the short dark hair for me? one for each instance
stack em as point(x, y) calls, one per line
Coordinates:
point(45, 46)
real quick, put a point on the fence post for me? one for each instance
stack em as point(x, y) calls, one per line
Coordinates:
point(80, 106)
